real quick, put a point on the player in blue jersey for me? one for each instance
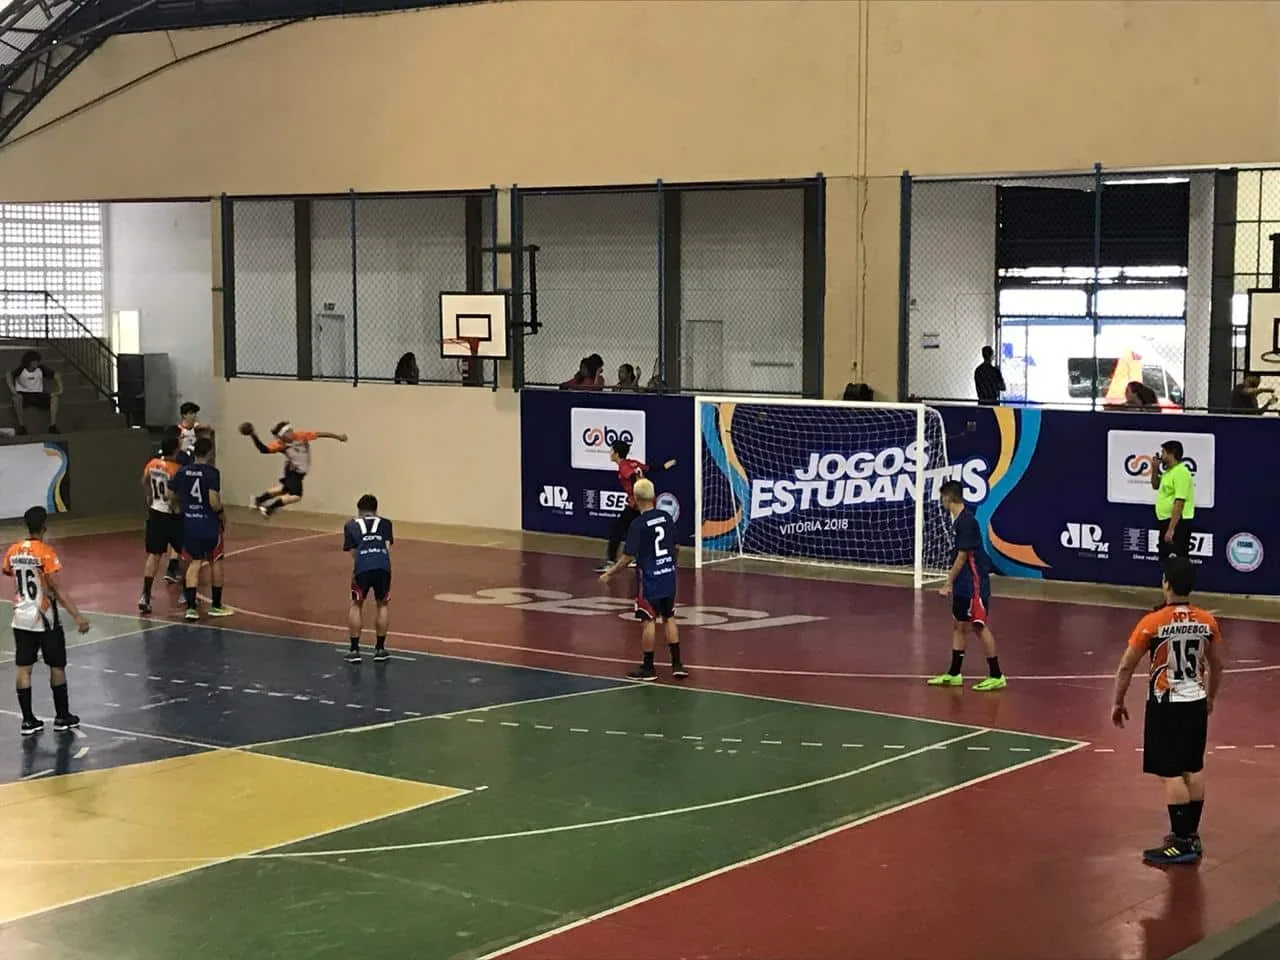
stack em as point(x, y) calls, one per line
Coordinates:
point(368, 537)
point(969, 586)
point(651, 542)
point(197, 491)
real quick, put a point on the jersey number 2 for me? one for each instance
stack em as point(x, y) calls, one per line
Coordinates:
point(659, 534)
point(28, 584)
point(1185, 653)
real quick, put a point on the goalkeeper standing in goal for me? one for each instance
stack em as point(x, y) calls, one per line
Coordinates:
point(969, 586)
point(629, 471)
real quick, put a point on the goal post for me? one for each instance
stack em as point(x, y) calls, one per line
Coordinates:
point(824, 482)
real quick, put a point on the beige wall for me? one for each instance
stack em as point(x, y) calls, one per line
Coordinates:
point(429, 454)
point(544, 92)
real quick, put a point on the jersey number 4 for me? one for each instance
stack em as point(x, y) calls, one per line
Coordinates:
point(196, 495)
point(1184, 655)
point(28, 583)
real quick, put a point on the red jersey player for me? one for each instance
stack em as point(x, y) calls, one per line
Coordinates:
point(629, 471)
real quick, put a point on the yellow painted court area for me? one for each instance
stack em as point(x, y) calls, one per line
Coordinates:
point(180, 813)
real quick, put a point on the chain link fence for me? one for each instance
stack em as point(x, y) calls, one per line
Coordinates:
point(265, 288)
point(1091, 290)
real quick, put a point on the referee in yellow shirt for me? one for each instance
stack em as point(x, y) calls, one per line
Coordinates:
point(1175, 489)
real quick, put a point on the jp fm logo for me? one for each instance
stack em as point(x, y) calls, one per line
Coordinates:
point(605, 436)
point(1139, 464)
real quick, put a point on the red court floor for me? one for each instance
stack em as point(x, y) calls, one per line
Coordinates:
point(1038, 864)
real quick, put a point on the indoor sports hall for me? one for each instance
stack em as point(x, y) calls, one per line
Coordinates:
point(914, 315)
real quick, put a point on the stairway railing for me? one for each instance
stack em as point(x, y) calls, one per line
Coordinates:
point(42, 317)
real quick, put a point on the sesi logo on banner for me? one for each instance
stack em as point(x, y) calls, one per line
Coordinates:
point(593, 430)
point(1129, 456)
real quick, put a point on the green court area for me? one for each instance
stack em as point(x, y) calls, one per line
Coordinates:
point(547, 812)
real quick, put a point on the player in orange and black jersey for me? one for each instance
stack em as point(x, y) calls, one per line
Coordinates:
point(629, 471)
point(163, 531)
point(1184, 645)
point(296, 447)
point(37, 624)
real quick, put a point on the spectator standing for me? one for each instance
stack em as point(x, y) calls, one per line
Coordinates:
point(407, 369)
point(627, 378)
point(1244, 398)
point(1175, 489)
point(988, 381)
point(35, 386)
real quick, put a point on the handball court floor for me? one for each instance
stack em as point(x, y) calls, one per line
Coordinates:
point(237, 790)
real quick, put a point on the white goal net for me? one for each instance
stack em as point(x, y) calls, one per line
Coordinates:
point(809, 481)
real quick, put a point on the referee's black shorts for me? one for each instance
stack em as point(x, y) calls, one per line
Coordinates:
point(1174, 737)
point(1180, 546)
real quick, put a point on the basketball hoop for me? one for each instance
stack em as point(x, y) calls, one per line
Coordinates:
point(471, 343)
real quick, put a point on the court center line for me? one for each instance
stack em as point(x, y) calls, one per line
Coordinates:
point(769, 855)
point(545, 831)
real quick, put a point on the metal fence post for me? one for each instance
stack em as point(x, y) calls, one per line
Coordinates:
point(904, 288)
point(517, 289)
point(355, 301)
point(1097, 267)
point(227, 211)
point(662, 282)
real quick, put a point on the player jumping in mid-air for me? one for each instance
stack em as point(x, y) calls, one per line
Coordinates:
point(368, 537)
point(651, 543)
point(629, 472)
point(164, 524)
point(296, 447)
point(969, 586)
point(197, 490)
point(37, 626)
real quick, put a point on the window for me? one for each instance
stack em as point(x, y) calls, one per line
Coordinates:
point(58, 249)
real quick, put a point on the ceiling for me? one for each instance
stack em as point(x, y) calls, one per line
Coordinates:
point(42, 41)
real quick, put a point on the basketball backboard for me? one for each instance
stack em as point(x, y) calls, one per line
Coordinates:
point(1263, 337)
point(473, 325)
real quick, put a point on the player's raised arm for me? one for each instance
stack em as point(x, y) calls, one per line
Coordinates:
point(246, 429)
point(324, 435)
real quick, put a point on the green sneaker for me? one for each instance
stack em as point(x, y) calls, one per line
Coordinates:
point(220, 611)
point(192, 614)
point(991, 683)
point(947, 680)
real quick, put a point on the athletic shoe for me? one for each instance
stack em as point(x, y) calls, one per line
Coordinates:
point(353, 656)
point(171, 577)
point(63, 724)
point(1176, 851)
point(144, 604)
point(31, 727)
point(192, 614)
point(680, 672)
point(264, 511)
point(947, 680)
point(988, 684)
point(223, 611)
point(380, 655)
point(643, 673)
point(1196, 843)
point(603, 567)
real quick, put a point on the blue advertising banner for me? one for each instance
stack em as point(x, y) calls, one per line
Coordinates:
point(1069, 494)
point(569, 484)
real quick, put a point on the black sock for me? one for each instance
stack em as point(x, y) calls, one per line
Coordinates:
point(648, 659)
point(274, 505)
point(24, 703)
point(146, 586)
point(217, 596)
point(355, 644)
point(1180, 820)
point(61, 702)
point(190, 593)
point(674, 649)
point(260, 499)
point(993, 668)
point(173, 566)
point(380, 643)
point(1197, 808)
point(957, 663)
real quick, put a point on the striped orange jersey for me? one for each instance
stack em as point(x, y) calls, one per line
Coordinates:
point(297, 452)
point(30, 562)
point(156, 475)
point(1176, 636)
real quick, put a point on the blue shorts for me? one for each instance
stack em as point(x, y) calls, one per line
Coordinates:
point(971, 609)
point(660, 609)
point(201, 542)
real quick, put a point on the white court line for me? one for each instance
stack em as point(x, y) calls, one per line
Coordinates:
point(541, 831)
point(702, 878)
point(73, 647)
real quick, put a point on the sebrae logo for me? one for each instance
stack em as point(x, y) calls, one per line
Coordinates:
point(1139, 465)
point(864, 478)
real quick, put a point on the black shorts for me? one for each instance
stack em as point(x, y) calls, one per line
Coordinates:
point(1181, 544)
point(1174, 737)
point(34, 401)
point(163, 530)
point(656, 608)
point(377, 582)
point(971, 609)
point(291, 483)
point(49, 645)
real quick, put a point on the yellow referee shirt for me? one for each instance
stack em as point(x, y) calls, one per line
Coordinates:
point(1176, 484)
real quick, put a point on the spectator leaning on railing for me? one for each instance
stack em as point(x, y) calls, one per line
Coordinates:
point(34, 385)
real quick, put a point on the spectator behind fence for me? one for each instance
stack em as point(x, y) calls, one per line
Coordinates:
point(35, 386)
point(1244, 398)
point(628, 379)
point(1137, 395)
point(590, 375)
point(407, 369)
point(988, 380)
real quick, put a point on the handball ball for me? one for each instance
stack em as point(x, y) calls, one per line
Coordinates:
point(246, 428)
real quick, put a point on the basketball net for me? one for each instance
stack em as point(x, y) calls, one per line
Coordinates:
point(473, 347)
